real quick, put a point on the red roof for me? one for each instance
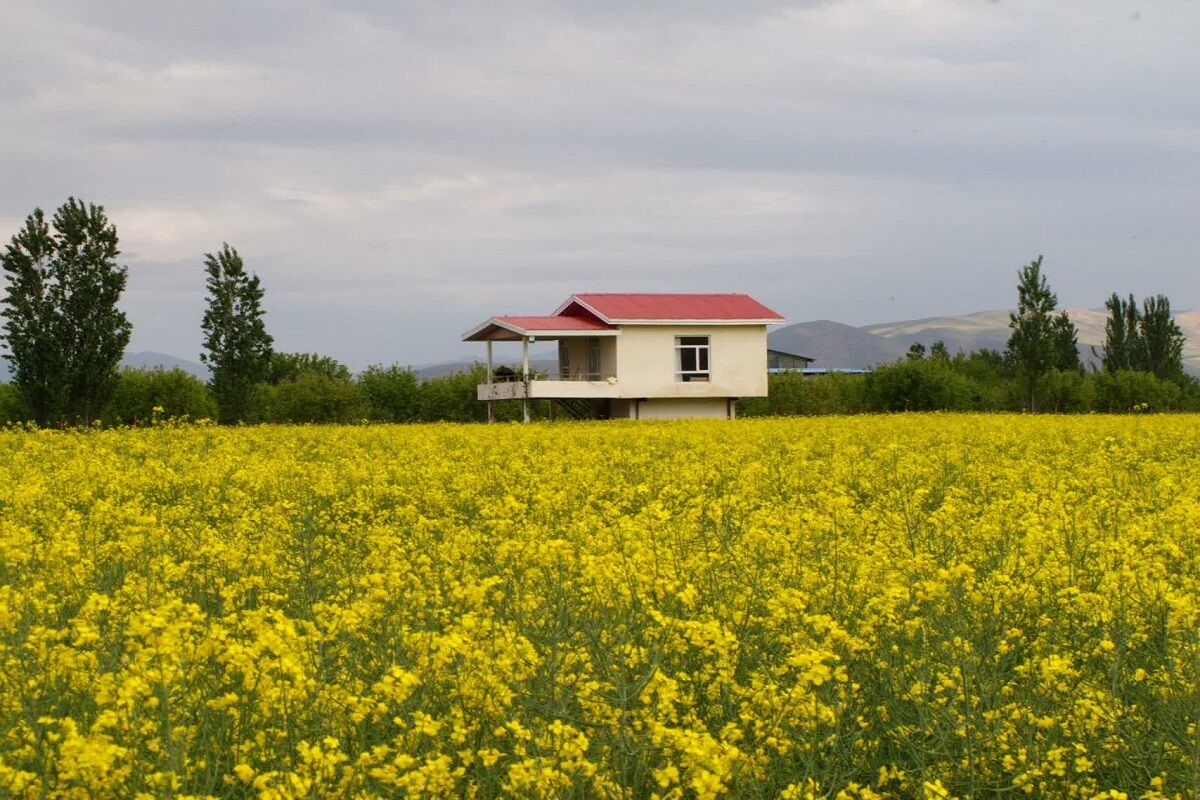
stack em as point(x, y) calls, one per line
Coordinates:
point(614, 307)
point(596, 311)
point(554, 323)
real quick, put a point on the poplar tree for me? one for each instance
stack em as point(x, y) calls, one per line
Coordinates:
point(1161, 339)
point(1122, 334)
point(63, 330)
point(1066, 344)
point(28, 314)
point(1145, 340)
point(1040, 340)
point(237, 347)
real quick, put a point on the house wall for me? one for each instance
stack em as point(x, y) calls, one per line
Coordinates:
point(577, 354)
point(671, 408)
point(645, 359)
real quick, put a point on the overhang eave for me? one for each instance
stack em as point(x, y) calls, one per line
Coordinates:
point(496, 330)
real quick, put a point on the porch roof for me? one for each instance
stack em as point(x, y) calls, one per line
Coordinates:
point(509, 328)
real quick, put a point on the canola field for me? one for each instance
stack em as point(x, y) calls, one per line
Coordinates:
point(905, 606)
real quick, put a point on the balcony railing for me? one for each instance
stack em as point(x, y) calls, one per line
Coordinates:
point(580, 375)
point(554, 375)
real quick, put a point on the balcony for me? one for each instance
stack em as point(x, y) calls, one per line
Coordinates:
point(555, 385)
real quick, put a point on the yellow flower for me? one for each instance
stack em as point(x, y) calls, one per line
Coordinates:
point(685, 609)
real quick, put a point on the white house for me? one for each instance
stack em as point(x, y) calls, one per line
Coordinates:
point(638, 356)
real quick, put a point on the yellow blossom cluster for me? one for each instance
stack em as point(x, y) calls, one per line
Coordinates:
point(915, 606)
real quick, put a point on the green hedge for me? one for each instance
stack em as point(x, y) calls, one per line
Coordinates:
point(395, 394)
point(142, 395)
point(11, 407)
point(952, 385)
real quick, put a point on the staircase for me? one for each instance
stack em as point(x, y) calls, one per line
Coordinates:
point(577, 407)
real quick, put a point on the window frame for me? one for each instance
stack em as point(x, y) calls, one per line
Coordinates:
point(701, 354)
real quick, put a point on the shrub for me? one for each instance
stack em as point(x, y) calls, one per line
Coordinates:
point(1126, 390)
point(1062, 391)
point(919, 385)
point(139, 392)
point(12, 408)
point(792, 393)
point(290, 366)
point(453, 398)
point(392, 394)
point(313, 397)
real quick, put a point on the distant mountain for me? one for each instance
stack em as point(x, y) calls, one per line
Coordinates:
point(833, 344)
point(150, 360)
point(450, 367)
point(144, 359)
point(969, 332)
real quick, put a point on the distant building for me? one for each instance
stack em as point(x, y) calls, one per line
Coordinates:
point(638, 356)
point(781, 361)
point(834, 371)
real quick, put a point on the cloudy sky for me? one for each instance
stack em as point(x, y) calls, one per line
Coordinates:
point(398, 171)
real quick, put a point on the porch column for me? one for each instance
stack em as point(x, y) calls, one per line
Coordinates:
point(491, 417)
point(525, 378)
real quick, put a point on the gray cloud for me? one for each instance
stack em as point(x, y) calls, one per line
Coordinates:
point(395, 171)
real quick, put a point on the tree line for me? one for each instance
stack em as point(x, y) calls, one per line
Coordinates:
point(65, 337)
point(1140, 368)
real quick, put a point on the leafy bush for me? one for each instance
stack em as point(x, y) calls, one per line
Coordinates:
point(1126, 390)
point(453, 398)
point(173, 392)
point(792, 393)
point(313, 397)
point(1062, 391)
point(392, 394)
point(290, 366)
point(12, 408)
point(919, 385)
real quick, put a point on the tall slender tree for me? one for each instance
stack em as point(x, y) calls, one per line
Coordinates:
point(62, 327)
point(28, 319)
point(1039, 339)
point(1161, 339)
point(237, 347)
point(95, 332)
point(1066, 344)
point(1122, 334)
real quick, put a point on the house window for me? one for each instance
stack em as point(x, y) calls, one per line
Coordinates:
point(691, 358)
point(593, 355)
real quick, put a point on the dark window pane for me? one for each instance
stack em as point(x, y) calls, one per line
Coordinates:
point(693, 340)
point(687, 360)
